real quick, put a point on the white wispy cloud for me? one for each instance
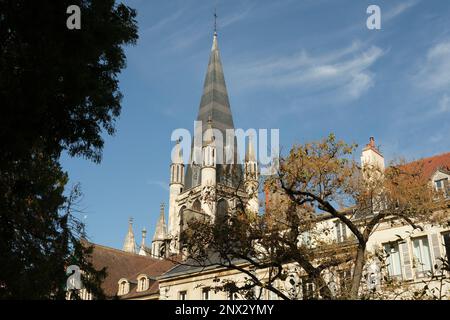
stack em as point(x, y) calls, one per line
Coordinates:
point(160, 184)
point(166, 21)
point(192, 32)
point(235, 17)
point(345, 71)
point(434, 71)
point(398, 9)
point(444, 104)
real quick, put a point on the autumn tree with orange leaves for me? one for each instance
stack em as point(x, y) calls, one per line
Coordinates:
point(316, 182)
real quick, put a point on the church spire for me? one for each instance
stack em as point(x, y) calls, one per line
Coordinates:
point(215, 108)
point(161, 228)
point(129, 245)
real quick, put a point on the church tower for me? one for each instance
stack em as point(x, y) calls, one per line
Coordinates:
point(213, 180)
point(371, 156)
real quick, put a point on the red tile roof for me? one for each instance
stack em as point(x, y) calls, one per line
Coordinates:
point(431, 164)
point(121, 264)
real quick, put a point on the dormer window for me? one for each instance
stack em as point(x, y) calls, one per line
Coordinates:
point(341, 231)
point(124, 287)
point(143, 283)
point(442, 185)
point(439, 184)
point(85, 295)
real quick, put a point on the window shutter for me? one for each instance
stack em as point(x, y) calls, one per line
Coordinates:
point(407, 266)
point(436, 252)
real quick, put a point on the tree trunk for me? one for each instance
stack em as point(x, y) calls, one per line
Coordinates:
point(357, 271)
point(324, 290)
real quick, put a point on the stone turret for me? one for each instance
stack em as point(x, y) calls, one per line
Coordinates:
point(175, 188)
point(251, 177)
point(159, 248)
point(129, 245)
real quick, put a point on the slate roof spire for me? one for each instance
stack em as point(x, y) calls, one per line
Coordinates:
point(214, 107)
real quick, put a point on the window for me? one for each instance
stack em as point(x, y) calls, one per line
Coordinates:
point(345, 277)
point(341, 231)
point(306, 239)
point(85, 295)
point(307, 289)
point(143, 283)
point(442, 185)
point(205, 294)
point(197, 206)
point(124, 287)
point(422, 256)
point(393, 261)
point(222, 211)
point(162, 250)
point(182, 295)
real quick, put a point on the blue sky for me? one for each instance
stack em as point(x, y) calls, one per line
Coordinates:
point(306, 67)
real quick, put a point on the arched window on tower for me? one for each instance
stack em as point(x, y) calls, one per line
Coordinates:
point(222, 211)
point(181, 214)
point(197, 206)
point(162, 251)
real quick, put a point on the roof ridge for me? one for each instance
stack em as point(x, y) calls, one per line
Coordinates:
point(430, 157)
point(120, 251)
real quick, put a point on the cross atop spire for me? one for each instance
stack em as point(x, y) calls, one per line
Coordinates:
point(215, 22)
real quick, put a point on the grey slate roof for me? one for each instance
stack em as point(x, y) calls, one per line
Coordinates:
point(214, 106)
point(191, 266)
